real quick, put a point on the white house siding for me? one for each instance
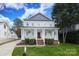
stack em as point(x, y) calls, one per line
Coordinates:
point(39, 23)
point(1, 31)
point(5, 32)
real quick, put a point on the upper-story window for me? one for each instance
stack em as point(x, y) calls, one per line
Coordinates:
point(4, 33)
point(4, 26)
point(27, 24)
point(44, 24)
point(50, 24)
point(38, 24)
point(32, 24)
point(54, 33)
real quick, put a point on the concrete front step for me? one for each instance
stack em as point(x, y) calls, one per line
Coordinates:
point(40, 42)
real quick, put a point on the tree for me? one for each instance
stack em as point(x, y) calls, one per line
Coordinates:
point(17, 24)
point(66, 15)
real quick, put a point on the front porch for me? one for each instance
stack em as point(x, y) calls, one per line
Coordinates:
point(40, 34)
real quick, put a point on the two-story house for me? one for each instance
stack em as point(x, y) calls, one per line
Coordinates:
point(39, 27)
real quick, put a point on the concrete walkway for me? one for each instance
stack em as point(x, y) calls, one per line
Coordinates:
point(7, 49)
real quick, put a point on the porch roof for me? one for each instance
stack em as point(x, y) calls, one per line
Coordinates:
point(39, 27)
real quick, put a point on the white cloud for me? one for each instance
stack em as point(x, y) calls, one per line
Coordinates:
point(11, 5)
point(9, 22)
point(32, 11)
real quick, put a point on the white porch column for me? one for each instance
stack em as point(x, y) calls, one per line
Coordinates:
point(56, 41)
point(22, 34)
point(43, 35)
point(56, 34)
point(35, 35)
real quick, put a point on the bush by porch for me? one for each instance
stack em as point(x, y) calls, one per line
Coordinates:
point(33, 42)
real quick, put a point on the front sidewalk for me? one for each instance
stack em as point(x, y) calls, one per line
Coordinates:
point(3, 41)
point(7, 49)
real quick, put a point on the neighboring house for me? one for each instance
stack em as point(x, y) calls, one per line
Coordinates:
point(13, 35)
point(39, 27)
point(76, 27)
point(72, 28)
point(5, 32)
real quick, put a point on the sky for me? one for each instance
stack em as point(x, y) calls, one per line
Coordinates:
point(11, 11)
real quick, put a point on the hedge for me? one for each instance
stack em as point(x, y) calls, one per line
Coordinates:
point(72, 37)
point(30, 41)
point(48, 41)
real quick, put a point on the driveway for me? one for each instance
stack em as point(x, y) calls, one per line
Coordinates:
point(7, 49)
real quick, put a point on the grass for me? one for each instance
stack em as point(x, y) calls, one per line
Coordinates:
point(61, 50)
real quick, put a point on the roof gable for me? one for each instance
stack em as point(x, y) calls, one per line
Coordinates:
point(38, 17)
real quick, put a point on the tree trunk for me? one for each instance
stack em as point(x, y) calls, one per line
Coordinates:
point(64, 36)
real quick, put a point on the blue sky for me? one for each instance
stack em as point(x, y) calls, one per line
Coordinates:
point(12, 11)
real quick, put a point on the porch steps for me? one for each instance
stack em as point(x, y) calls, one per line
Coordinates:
point(40, 42)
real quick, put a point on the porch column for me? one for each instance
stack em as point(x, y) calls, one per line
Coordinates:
point(35, 35)
point(43, 35)
point(56, 35)
point(56, 41)
point(22, 34)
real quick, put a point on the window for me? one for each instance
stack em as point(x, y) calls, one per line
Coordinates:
point(4, 26)
point(50, 24)
point(45, 33)
point(27, 24)
point(54, 33)
point(38, 24)
point(32, 24)
point(4, 33)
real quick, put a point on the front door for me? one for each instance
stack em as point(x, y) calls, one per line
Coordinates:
point(39, 35)
point(39, 40)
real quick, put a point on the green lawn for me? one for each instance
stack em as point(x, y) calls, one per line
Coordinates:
point(61, 50)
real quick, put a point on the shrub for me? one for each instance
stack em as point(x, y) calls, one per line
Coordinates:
point(72, 37)
point(48, 41)
point(30, 41)
point(27, 41)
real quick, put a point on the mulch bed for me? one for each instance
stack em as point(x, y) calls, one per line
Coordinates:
point(22, 43)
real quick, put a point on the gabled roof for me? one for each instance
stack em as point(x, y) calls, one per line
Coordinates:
point(38, 17)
